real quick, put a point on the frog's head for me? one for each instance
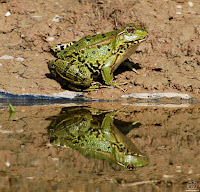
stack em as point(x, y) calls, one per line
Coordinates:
point(132, 34)
point(131, 161)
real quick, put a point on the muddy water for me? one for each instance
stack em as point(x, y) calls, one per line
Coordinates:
point(168, 136)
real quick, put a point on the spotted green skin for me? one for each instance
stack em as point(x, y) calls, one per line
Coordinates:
point(94, 135)
point(79, 63)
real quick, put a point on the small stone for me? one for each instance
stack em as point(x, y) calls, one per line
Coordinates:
point(57, 18)
point(50, 38)
point(167, 176)
point(190, 171)
point(8, 14)
point(178, 6)
point(0, 64)
point(6, 57)
point(20, 131)
point(55, 159)
point(131, 86)
point(6, 131)
point(20, 59)
point(178, 169)
point(190, 4)
point(7, 164)
point(178, 13)
point(36, 16)
point(30, 178)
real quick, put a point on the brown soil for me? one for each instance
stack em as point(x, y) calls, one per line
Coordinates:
point(169, 58)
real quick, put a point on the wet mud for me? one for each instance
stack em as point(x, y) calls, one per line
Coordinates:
point(168, 61)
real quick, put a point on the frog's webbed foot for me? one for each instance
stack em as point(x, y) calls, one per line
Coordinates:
point(118, 85)
point(95, 85)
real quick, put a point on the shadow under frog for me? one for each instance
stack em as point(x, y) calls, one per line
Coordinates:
point(95, 134)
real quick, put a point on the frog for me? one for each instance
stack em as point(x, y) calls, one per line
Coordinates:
point(94, 134)
point(83, 64)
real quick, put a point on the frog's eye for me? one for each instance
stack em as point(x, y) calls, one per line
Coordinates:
point(130, 30)
point(130, 166)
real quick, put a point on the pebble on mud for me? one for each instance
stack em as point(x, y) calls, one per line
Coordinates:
point(168, 176)
point(30, 178)
point(6, 57)
point(50, 38)
point(6, 131)
point(8, 14)
point(190, 171)
point(178, 6)
point(7, 164)
point(178, 169)
point(36, 16)
point(190, 4)
point(20, 59)
point(57, 18)
point(20, 131)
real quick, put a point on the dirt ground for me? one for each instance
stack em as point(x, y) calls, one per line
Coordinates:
point(169, 59)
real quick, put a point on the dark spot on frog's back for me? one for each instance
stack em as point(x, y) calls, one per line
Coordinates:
point(76, 54)
point(62, 47)
point(103, 35)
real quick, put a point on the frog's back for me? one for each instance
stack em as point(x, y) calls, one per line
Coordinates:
point(88, 41)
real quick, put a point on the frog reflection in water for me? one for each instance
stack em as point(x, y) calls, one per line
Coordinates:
point(79, 63)
point(94, 134)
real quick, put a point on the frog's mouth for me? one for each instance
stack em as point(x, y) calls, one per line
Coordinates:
point(139, 40)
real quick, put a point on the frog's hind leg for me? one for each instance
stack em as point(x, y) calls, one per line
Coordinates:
point(59, 47)
point(75, 75)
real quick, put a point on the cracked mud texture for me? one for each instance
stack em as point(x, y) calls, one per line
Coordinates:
point(169, 59)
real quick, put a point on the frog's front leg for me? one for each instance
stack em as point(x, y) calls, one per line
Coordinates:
point(107, 71)
point(130, 66)
point(68, 73)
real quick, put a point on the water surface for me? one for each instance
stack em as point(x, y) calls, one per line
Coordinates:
point(168, 136)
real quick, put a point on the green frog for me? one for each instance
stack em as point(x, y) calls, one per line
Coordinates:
point(80, 64)
point(94, 134)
